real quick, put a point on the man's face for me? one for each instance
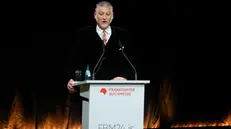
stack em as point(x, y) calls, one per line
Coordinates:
point(103, 16)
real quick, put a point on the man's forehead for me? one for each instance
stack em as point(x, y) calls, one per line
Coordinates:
point(104, 9)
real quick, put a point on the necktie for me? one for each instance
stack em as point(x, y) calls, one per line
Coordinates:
point(104, 37)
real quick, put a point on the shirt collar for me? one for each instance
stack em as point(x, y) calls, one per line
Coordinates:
point(100, 31)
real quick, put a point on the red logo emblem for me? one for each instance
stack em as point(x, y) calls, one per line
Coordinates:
point(103, 91)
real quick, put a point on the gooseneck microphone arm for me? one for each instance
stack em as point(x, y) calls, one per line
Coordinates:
point(93, 73)
point(122, 49)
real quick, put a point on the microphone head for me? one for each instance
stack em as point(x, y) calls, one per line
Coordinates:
point(121, 48)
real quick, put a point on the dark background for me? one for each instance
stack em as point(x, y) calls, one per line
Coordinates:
point(185, 41)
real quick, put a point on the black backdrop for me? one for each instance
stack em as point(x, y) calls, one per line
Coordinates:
point(184, 40)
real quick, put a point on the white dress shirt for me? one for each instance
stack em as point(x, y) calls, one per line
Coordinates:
point(100, 32)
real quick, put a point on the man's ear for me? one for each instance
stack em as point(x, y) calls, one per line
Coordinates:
point(112, 15)
point(95, 16)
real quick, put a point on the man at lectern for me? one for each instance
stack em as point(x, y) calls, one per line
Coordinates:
point(102, 48)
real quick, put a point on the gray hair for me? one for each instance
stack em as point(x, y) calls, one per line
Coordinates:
point(103, 4)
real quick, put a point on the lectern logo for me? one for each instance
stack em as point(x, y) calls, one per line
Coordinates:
point(103, 91)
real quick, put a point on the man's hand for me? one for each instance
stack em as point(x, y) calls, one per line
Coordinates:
point(70, 86)
point(119, 78)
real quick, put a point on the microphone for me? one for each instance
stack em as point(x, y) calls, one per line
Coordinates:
point(122, 49)
point(93, 73)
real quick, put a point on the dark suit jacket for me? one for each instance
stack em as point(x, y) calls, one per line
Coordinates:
point(89, 48)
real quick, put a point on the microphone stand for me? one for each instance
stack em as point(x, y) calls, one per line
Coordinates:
point(93, 73)
point(122, 49)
